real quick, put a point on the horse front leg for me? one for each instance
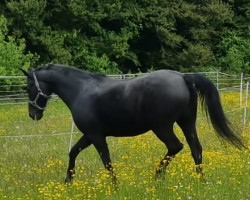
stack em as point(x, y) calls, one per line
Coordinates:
point(102, 148)
point(82, 143)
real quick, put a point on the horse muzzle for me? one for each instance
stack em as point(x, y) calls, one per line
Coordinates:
point(36, 116)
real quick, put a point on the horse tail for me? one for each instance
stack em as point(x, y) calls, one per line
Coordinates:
point(210, 101)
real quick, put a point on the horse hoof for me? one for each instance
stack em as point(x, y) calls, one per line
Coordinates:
point(68, 180)
point(160, 175)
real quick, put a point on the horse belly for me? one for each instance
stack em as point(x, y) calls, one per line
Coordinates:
point(164, 109)
point(125, 125)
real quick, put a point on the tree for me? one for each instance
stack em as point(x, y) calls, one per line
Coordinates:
point(60, 32)
point(202, 25)
point(12, 54)
point(233, 53)
point(112, 36)
point(27, 20)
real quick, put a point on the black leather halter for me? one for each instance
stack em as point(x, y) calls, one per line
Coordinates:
point(39, 94)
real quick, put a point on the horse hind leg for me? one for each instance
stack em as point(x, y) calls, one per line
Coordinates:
point(173, 144)
point(189, 130)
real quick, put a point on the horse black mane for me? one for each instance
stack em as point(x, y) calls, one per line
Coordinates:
point(70, 70)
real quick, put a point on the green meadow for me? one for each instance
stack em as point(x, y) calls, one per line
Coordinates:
point(34, 158)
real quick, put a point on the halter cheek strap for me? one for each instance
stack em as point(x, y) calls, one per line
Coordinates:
point(40, 93)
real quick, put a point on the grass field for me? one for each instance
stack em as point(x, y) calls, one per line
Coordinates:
point(34, 159)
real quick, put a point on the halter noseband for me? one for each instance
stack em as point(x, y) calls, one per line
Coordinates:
point(40, 93)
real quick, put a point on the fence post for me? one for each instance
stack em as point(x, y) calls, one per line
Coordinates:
point(241, 87)
point(71, 135)
point(245, 109)
point(217, 79)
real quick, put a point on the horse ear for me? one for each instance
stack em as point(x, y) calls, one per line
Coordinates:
point(25, 73)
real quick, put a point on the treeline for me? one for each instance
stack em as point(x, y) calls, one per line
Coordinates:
point(113, 36)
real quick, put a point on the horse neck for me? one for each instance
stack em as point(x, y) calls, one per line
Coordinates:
point(66, 87)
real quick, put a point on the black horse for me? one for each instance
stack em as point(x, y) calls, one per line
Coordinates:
point(102, 106)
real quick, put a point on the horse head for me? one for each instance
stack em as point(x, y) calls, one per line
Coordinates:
point(38, 93)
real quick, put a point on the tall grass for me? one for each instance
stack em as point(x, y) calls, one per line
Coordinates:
point(34, 166)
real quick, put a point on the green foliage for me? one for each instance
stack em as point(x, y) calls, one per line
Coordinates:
point(234, 53)
point(114, 36)
point(196, 57)
point(99, 64)
point(12, 52)
point(28, 21)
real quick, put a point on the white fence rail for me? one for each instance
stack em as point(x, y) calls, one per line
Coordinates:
point(13, 88)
